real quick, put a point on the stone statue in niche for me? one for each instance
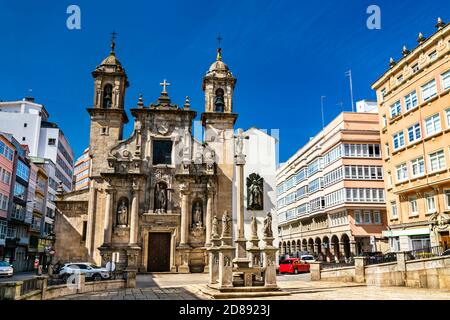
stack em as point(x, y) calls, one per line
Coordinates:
point(226, 225)
point(161, 198)
point(215, 228)
point(268, 226)
point(122, 212)
point(255, 194)
point(197, 215)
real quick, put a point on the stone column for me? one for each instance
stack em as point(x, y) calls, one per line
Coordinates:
point(241, 259)
point(134, 217)
point(90, 217)
point(209, 204)
point(108, 218)
point(342, 251)
point(360, 264)
point(400, 276)
point(184, 216)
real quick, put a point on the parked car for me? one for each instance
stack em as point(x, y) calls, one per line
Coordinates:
point(293, 265)
point(446, 252)
point(308, 258)
point(91, 271)
point(373, 257)
point(6, 269)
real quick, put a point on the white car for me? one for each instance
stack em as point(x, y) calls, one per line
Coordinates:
point(307, 258)
point(6, 270)
point(90, 271)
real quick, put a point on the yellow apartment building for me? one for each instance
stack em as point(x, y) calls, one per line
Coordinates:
point(414, 110)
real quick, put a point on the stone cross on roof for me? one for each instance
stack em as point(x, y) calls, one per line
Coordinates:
point(164, 84)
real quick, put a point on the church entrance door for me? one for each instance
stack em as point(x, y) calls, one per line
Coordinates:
point(158, 252)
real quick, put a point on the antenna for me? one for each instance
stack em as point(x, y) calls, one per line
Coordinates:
point(349, 75)
point(321, 105)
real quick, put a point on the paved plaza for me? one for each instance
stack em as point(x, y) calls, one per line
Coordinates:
point(187, 287)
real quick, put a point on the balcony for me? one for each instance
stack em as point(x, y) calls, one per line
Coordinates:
point(39, 207)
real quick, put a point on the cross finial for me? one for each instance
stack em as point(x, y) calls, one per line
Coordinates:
point(113, 40)
point(219, 48)
point(164, 84)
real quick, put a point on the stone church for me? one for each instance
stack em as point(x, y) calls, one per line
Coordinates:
point(153, 195)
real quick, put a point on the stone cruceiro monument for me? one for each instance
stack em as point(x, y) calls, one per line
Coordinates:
point(241, 270)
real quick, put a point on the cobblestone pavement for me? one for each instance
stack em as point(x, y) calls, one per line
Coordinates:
point(187, 287)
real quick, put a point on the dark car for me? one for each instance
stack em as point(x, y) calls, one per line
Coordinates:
point(446, 252)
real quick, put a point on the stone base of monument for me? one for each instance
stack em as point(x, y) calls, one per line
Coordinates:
point(216, 292)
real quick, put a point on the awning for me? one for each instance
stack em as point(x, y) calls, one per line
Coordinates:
point(407, 232)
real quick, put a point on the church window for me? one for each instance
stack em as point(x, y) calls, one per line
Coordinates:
point(107, 96)
point(104, 130)
point(162, 152)
point(219, 102)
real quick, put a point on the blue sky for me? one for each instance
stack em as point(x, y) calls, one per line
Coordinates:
point(285, 54)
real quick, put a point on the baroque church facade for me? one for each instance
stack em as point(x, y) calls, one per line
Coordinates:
point(153, 196)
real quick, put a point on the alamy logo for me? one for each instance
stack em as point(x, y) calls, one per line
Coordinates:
point(374, 20)
point(73, 21)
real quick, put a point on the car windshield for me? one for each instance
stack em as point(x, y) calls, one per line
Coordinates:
point(308, 258)
point(286, 262)
point(4, 264)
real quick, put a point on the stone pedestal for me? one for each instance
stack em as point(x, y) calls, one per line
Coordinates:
point(255, 253)
point(213, 264)
point(225, 263)
point(184, 265)
point(315, 270)
point(360, 263)
point(269, 264)
point(130, 278)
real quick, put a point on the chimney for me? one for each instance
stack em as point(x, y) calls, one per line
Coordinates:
point(29, 99)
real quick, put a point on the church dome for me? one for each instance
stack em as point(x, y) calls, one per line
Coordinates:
point(218, 66)
point(111, 60)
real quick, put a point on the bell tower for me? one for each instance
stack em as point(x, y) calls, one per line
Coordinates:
point(218, 85)
point(107, 115)
point(218, 121)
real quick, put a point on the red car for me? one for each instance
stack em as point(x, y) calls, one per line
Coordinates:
point(293, 265)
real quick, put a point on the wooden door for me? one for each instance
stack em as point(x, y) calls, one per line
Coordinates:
point(158, 252)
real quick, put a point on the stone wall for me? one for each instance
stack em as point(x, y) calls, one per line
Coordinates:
point(12, 290)
point(432, 273)
point(346, 274)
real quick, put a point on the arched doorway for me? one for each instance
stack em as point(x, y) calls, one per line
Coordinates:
point(305, 245)
point(284, 248)
point(293, 247)
point(318, 246)
point(345, 242)
point(299, 245)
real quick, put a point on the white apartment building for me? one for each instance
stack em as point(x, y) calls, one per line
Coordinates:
point(28, 122)
point(330, 193)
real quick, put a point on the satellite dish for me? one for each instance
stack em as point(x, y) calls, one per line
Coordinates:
point(111, 266)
